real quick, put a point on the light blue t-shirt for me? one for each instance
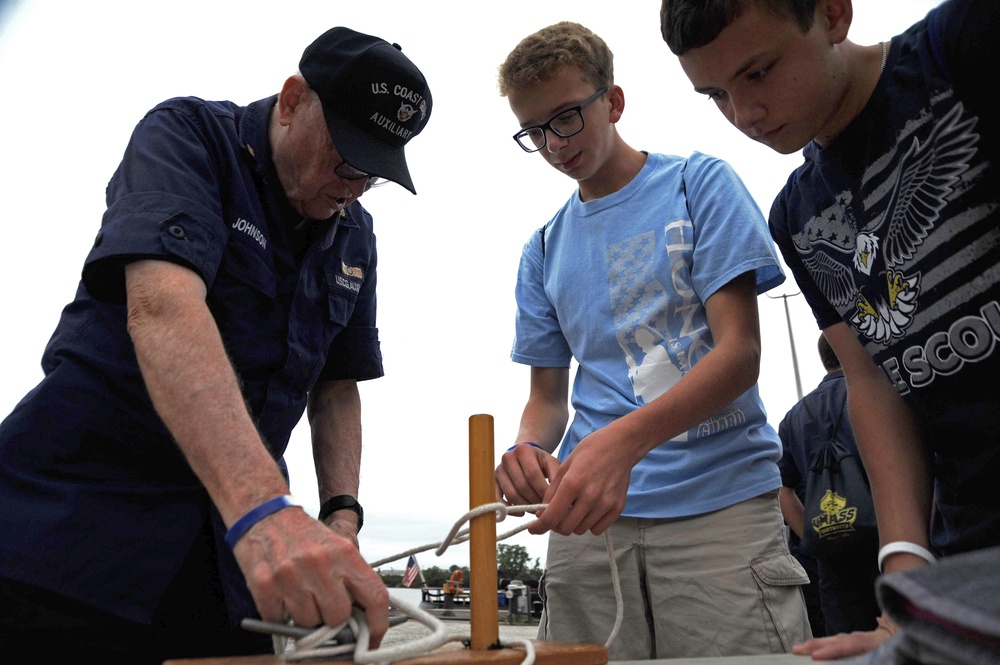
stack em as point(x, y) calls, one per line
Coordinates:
point(620, 285)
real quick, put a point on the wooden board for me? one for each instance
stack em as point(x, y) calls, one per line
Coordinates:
point(546, 653)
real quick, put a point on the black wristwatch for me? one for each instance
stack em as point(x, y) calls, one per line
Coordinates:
point(342, 502)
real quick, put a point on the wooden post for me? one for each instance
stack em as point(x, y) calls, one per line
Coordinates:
point(484, 618)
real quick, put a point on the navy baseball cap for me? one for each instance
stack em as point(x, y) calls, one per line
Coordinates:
point(374, 99)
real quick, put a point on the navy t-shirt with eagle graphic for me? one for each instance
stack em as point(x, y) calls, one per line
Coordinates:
point(893, 228)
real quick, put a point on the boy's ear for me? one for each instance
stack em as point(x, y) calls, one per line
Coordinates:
point(837, 15)
point(617, 97)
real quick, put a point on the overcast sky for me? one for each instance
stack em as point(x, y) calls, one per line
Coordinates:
point(78, 78)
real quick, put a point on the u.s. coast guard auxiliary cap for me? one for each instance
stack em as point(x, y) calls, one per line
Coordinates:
point(374, 99)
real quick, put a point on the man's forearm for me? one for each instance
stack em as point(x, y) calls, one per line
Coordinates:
point(195, 391)
point(335, 424)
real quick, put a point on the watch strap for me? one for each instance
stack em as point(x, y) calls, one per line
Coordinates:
point(342, 502)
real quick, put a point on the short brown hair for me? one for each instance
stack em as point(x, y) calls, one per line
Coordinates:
point(688, 24)
point(538, 56)
point(827, 355)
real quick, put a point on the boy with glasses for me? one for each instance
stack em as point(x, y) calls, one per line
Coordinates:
point(890, 228)
point(648, 277)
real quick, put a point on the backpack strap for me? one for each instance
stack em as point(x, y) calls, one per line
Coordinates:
point(836, 423)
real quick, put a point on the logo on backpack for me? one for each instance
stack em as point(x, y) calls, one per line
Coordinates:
point(836, 518)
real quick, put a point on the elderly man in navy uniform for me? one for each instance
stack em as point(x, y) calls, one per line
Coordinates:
point(230, 289)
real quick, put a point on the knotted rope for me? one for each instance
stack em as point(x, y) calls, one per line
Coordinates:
point(312, 645)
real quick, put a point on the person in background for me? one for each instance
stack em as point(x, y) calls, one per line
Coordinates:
point(230, 289)
point(648, 276)
point(846, 581)
point(889, 228)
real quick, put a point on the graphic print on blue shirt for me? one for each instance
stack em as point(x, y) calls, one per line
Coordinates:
point(638, 301)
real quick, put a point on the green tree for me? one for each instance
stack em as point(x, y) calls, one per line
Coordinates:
point(390, 579)
point(512, 560)
point(436, 576)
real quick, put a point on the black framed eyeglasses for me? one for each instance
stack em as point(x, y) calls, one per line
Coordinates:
point(348, 172)
point(563, 124)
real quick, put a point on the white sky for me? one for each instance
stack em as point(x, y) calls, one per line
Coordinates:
point(78, 78)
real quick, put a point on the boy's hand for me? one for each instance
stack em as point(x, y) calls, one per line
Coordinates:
point(522, 478)
point(588, 491)
point(844, 645)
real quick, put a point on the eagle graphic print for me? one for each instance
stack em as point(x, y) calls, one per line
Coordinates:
point(909, 258)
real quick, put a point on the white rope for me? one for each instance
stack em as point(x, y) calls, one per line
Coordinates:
point(311, 646)
point(457, 536)
point(617, 585)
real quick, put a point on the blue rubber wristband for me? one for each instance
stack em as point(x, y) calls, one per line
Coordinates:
point(527, 443)
point(245, 523)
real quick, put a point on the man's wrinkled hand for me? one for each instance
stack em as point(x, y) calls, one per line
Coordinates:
point(298, 568)
point(343, 523)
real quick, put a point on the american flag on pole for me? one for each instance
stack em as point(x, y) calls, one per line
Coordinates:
point(412, 569)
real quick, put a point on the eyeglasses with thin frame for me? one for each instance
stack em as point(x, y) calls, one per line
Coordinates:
point(348, 172)
point(563, 124)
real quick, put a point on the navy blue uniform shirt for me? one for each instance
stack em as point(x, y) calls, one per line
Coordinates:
point(102, 506)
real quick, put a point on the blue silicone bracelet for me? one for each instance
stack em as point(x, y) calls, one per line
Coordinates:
point(527, 443)
point(245, 523)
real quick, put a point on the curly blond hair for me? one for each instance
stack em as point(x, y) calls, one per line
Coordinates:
point(538, 56)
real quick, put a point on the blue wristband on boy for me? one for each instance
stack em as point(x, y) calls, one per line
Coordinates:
point(245, 523)
point(527, 443)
